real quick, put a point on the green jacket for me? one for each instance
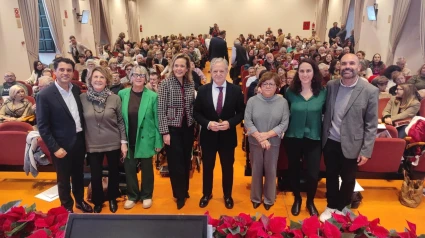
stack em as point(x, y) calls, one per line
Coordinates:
point(148, 136)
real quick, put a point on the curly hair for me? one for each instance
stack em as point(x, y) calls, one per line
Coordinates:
point(316, 81)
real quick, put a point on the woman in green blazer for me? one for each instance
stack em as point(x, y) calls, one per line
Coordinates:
point(139, 111)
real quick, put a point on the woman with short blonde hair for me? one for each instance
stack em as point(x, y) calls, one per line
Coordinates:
point(16, 107)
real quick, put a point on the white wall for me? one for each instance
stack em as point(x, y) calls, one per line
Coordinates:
point(14, 56)
point(409, 43)
point(165, 17)
point(118, 18)
point(334, 15)
point(375, 34)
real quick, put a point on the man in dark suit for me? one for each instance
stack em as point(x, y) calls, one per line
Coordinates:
point(333, 32)
point(218, 47)
point(60, 123)
point(349, 130)
point(239, 58)
point(159, 59)
point(219, 108)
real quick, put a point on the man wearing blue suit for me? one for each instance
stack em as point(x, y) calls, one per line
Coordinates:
point(60, 123)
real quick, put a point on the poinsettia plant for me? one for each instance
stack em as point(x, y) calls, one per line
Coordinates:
point(348, 225)
point(21, 221)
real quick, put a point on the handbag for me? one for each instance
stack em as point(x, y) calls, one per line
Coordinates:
point(411, 192)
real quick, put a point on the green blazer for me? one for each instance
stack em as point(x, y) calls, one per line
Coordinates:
point(148, 136)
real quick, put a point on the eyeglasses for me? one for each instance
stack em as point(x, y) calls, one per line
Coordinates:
point(139, 75)
point(268, 84)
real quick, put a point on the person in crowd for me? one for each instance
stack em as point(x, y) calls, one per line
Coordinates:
point(381, 82)
point(266, 120)
point(342, 34)
point(176, 124)
point(328, 59)
point(270, 63)
point(159, 59)
point(338, 53)
point(334, 69)
point(195, 77)
point(388, 73)
point(401, 62)
point(281, 74)
point(47, 72)
point(139, 110)
point(116, 84)
point(86, 74)
point(43, 82)
point(314, 36)
point(36, 73)
point(120, 41)
point(316, 57)
point(16, 107)
point(9, 81)
point(103, 63)
point(365, 72)
point(105, 136)
point(333, 33)
point(60, 122)
point(89, 54)
point(398, 78)
point(218, 47)
point(324, 71)
point(376, 65)
point(346, 50)
point(419, 79)
point(113, 65)
point(255, 79)
point(107, 54)
point(351, 106)
point(280, 37)
point(153, 82)
point(76, 48)
point(81, 65)
point(239, 59)
point(218, 128)
point(402, 106)
point(306, 97)
point(126, 79)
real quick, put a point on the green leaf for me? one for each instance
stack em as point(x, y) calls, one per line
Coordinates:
point(30, 208)
point(49, 232)
point(16, 229)
point(421, 236)
point(334, 222)
point(348, 235)
point(62, 228)
point(6, 207)
point(235, 230)
point(393, 233)
point(295, 225)
point(368, 235)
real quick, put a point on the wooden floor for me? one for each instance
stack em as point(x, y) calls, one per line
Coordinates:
point(380, 197)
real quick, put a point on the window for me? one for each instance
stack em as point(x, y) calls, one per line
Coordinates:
point(46, 43)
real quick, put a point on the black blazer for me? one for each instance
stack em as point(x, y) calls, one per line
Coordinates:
point(233, 112)
point(164, 62)
point(54, 120)
point(218, 49)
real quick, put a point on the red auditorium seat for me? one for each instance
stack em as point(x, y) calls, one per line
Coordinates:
point(16, 126)
point(386, 156)
point(29, 87)
point(422, 108)
point(12, 147)
point(381, 105)
point(31, 99)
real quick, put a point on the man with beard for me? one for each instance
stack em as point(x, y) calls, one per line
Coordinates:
point(9, 81)
point(270, 63)
point(349, 130)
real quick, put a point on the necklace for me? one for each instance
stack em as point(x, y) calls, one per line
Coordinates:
point(96, 111)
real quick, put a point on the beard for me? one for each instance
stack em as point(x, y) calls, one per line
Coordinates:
point(352, 71)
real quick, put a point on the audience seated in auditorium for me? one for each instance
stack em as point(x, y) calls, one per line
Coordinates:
point(324, 70)
point(388, 73)
point(376, 65)
point(419, 79)
point(86, 74)
point(9, 81)
point(36, 73)
point(404, 105)
point(381, 83)
point(398, 78)
point(116, 84)
point(270, 63)
point(401, 62)
point(81, 65)
point(16, 107)
point(365, 71)
point(334, 69)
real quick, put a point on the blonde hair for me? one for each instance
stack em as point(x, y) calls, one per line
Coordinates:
point(142, 69)
point(14, 90)
point(188, 75)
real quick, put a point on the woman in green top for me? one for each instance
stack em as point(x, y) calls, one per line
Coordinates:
point(306, 98)
point(139, 111)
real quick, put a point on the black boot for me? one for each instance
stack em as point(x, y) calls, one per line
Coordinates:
point(296, 207)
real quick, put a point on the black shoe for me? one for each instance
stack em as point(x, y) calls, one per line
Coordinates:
point(97, 208)
point(267, 206)
point(255, 204)
point(85, 207)
point(296, 207)
point(113, 206)
point(180, 203)
point(204, 201)
point(312, 209)
point(228, 202)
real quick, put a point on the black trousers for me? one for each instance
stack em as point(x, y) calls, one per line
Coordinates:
point(179, 155)
point(71, 166)
point(310, 152)
point(338, 165)
point(235, 73)
point(96, 167)
point(227, 159)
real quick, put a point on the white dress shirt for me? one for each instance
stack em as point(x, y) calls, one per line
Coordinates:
point(216, 91)
point(71, 103)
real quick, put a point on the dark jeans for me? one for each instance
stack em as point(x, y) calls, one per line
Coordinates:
point(401, 131)
point(145, 191)
point(310, 152)
point(338, 165)
point(96, 166)
point(227, 159)
point(71, 166)
point(179, 155)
